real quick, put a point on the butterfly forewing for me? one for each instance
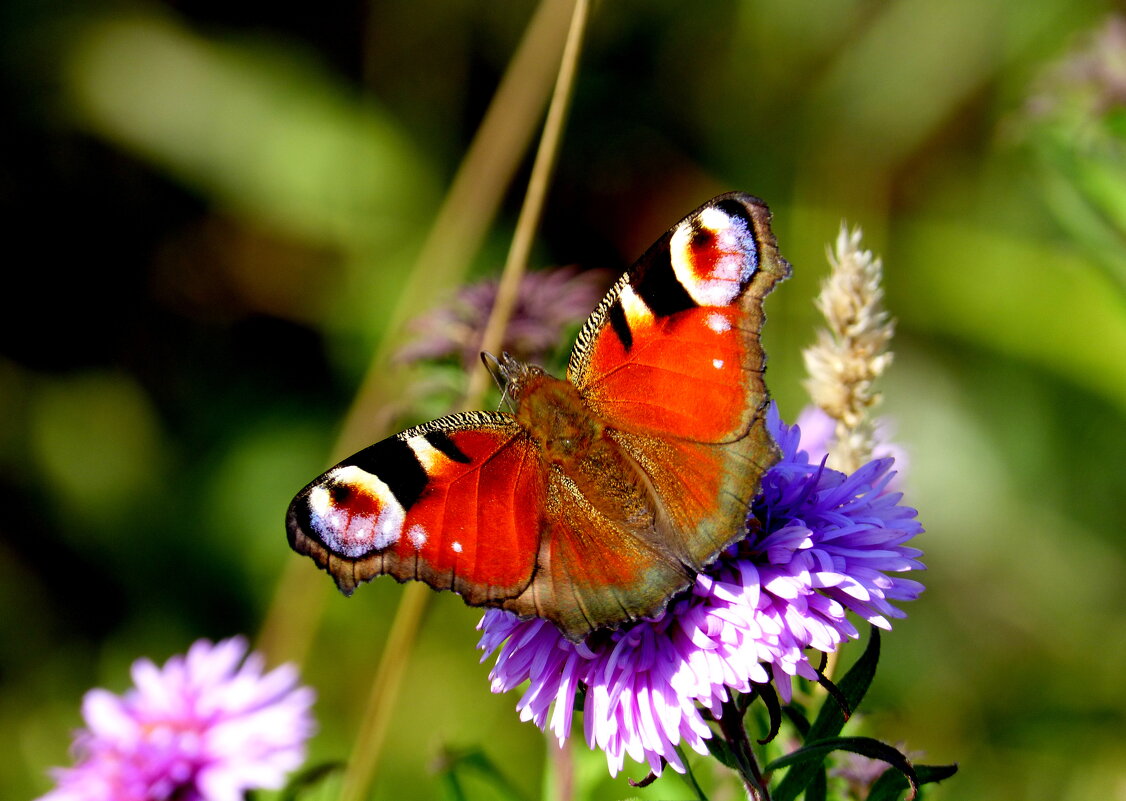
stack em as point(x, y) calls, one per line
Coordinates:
point(455, 503)
point(674, 347)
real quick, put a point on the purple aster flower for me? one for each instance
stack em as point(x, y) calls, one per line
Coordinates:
point(820, 544)
point(207, 726)
point(547, 302)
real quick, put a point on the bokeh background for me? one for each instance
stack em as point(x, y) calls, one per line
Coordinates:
point(212, 212)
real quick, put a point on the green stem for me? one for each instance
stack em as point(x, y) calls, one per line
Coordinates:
point(735, 733)
point(690, 777)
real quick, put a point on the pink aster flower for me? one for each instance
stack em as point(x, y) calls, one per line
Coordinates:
point(820, 544)
point(207, 726)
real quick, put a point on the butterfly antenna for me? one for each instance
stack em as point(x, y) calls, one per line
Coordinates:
point(500, 375)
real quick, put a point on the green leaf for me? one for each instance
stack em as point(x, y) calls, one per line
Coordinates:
point(476, 761)
point(891, 783)
point(818, 789)
point(770, 701)
point(690, 777)
point(830, 720)
point(796, 716)
point(865, 746)
point(307, 779)
point(815, 752)
point(719, 748)
point(454, 791)
point(853, 687)
point(835, 693)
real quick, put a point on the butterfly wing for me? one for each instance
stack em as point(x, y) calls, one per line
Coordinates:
point(456, 503)
point(672, 360)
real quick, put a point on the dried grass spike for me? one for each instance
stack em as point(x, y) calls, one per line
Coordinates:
point(852, 352)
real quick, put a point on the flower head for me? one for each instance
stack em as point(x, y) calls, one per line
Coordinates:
point(1089, 81)
point(207, 726)
point(852, 351)
point(547, 302)
point(820, 544)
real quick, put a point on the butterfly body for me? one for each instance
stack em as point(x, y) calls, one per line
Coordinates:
point(601, 495)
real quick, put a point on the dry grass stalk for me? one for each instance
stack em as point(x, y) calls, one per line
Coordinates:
point(852, 352)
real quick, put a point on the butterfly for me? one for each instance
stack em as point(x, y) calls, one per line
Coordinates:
point(601, 496)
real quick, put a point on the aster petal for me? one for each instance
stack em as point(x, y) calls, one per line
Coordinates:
point(159, 688)
point(563, 707)
point(106, 715)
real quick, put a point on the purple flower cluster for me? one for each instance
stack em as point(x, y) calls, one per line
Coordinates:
point(819, 544)
point(547, 302)
point(201, 728)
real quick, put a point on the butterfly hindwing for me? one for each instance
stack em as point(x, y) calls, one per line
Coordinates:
point(454, 503)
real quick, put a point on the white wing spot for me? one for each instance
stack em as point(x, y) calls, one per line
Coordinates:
point(388, 531)
point(717, 363)
point(456, 546)
point(718, 323)
point(637, 312)
point(417, 536)
point(428, 455)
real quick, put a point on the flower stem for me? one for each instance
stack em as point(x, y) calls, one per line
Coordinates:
point(461, 223)
point(369, 743)
point(735, 733)
point(384, 687)
point(532, 209)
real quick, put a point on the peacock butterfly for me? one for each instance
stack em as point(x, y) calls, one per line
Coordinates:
point(600, 496)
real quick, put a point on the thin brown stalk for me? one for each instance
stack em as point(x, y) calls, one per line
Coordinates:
point(532, 209)
point(559, 782)
point(360, 773)
point(471, 204)
point(454, 238)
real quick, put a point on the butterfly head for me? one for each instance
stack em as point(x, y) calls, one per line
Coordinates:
point(512, 375)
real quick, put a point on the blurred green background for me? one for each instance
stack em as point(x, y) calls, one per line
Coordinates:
point(211, 211)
